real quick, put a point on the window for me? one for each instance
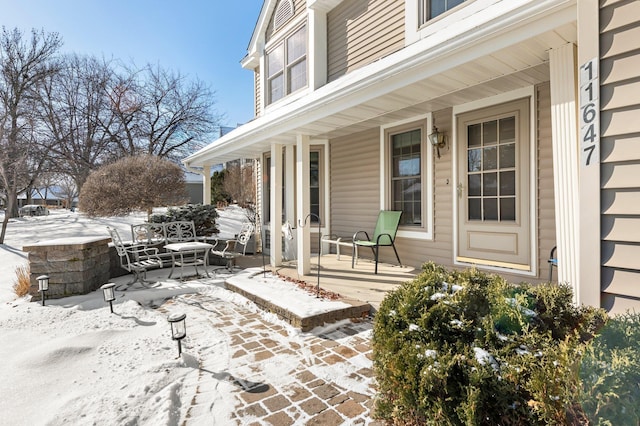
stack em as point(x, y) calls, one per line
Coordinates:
point(429, 9)
point(314, 183)
point(287, 65)
point(407, 158)
point(406, 176)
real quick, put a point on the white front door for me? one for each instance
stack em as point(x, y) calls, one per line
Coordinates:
point(493, 186)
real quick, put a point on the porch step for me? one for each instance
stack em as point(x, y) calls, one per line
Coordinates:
point(285, 307)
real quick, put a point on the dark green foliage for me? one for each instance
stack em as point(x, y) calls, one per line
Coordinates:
point(464, 347)
point(610, 373)
point(218, 194)
point(203, 217)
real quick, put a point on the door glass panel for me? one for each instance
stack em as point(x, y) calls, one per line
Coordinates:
point(507, 155)
point(507, 183)
point(473, 160)
point(490, 208)
point(490, 184)
point(475, 186)
point(475, 208)
point(508, 129)
point(490, 133)
point(490, 158)
point(507, 209)
point(474, 135)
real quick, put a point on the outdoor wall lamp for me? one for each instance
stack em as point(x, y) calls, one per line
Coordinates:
point(438, 139)
point(43, 285)
point(178, 329)
point(109, 294)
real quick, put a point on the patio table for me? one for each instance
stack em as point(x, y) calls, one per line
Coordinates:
point(192, 253)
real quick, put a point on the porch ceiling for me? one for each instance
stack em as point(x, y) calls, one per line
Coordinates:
point(440, 81)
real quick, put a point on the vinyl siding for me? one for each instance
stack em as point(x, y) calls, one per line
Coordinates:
point(300, 8)
point(258, 93)
point(620, 154)
point(355, 182)
point(362, 31)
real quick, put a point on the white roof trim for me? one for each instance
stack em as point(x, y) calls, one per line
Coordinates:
point(323, 5)
point(258, 37)
point(415, 62)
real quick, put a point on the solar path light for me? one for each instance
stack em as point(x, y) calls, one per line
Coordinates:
point(178, 329)
point(43, 285)
point(109, 294)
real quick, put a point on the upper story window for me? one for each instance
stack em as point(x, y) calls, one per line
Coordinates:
point(429, 9)
point(287, 65)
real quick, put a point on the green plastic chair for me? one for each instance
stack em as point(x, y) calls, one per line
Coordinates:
point(383, 235)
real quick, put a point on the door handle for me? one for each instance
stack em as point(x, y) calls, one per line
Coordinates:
point(459, 188)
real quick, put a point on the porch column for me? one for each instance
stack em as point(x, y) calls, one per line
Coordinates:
point(275, 174)
point(289, 202)
point(303, 233)
point(206, 184)
point(590, 233)
point(564, 133)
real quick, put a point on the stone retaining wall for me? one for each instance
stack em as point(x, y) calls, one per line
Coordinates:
point(74, 265)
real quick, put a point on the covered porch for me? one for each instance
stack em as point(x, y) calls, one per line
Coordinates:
point(427, 80)
point(336, 276)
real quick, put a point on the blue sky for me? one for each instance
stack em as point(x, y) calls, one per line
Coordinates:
point(203, 38)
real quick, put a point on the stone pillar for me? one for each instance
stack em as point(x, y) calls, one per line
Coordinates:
point(75, 266)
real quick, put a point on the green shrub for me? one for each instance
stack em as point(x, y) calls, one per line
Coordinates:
point(203, 217)
point(610, 373)
point(464, 347)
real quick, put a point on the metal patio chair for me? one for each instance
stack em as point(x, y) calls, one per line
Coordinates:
point(384, 234)
point(235, 247)
point(136, 259)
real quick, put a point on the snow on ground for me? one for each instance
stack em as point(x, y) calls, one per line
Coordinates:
point(73, 362)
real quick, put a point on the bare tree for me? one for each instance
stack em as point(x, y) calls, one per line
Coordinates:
point(67, 190)
point(239, 182)
point(24, 64)
point(73, 107)
point(160, 112)
point(133, 183)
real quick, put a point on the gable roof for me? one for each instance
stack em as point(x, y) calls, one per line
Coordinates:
point(252, 60)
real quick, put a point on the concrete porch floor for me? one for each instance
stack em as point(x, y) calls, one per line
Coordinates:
point(359, 283)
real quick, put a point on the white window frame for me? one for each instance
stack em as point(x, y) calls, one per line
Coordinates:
point(425, 232)
point(443, 25)
point(533, 175)
point(287, 32)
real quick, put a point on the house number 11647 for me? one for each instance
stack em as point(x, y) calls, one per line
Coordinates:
point(590, 112)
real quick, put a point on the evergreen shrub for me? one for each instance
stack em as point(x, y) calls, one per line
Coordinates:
point(465, 347)
point(203, 217)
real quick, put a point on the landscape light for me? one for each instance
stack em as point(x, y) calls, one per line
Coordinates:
point(178, 329)
point(43, 285)
point(109, 294)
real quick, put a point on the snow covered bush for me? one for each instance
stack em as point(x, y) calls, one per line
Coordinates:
point(203, 216)
point(464, 347)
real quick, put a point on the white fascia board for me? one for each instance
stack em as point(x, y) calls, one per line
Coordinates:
point(257, 38)
point(419, 61)
point(323, 5)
